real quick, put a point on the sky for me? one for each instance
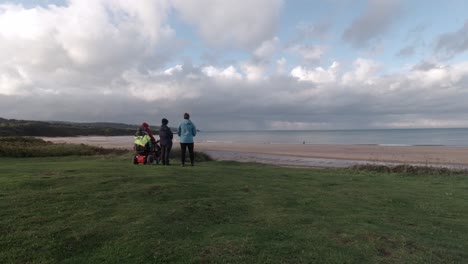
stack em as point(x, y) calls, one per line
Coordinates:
point(237, 65)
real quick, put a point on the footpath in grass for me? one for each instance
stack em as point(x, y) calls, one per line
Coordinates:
point(106, 210)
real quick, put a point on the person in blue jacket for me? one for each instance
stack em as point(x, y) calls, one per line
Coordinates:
point(186, 132)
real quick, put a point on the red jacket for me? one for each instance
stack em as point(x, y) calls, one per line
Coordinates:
point(145, 126)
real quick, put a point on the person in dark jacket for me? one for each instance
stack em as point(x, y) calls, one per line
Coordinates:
point(186, 132)
point(165, 140)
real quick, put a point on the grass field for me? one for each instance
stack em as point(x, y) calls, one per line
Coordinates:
point(106, 210)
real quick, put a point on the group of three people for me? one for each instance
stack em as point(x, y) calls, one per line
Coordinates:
point(186, 131)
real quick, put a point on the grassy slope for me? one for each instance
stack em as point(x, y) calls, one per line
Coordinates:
point(105, 210)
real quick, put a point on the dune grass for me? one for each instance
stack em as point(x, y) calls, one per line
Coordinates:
point(36, 147)
point(103, 209)
point(21, 147)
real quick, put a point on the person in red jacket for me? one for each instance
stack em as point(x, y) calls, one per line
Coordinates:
point(145, 126)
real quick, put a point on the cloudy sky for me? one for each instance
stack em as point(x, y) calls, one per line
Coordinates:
point(244, 64)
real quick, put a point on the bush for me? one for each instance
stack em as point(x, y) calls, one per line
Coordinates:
point(199, 156)
point(36, 147)
point(409, 169)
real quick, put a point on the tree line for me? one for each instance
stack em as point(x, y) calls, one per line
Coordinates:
point(13, 127)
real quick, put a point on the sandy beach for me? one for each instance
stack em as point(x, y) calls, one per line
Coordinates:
point(308, 154)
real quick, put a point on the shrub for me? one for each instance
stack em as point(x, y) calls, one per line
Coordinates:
point(199, 156)
point(409, 169)
point(36, 147)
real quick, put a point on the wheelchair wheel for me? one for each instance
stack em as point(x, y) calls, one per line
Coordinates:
point(150, 160)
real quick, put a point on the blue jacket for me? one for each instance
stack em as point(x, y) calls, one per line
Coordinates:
point(186, 131)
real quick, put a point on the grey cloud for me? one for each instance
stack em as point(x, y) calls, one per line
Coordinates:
point(222, 104)
point(241, 23)
point(406, 52)
point(317, 31)
point(374, 22)
point(425, 65)
point(415, 37)
point(453, 43)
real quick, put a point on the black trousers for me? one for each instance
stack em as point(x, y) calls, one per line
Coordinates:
point(165, 152)
point(183, 149)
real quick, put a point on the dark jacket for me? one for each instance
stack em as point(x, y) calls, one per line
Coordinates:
point(165, 135)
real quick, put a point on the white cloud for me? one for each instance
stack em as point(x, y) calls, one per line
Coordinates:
point(253, 72)
point(84, 45)
point(440, 76)
point(267, 49)
point(317, 75)
point(226, 73)
point(364, 71)
point(173, 70)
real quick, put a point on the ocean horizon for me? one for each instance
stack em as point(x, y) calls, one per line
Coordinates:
point(385, 137)
point(450, 137)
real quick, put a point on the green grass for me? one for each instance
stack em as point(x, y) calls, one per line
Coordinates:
point(106, 210)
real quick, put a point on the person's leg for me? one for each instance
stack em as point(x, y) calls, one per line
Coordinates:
point(182, 152)
point(192, 156)
point(163, 154)
point(168, 152)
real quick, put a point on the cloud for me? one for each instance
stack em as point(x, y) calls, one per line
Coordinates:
point(267, 49)
point(281, 66)
point(406, 52)
point(374, 22)
point(317, 75)
point(253, 72)
point(243, 23)
point(453, 43)
point(365, 72)
point(227, 98)
point(82, 46)
point(307, 52)
point(319, 31)
point(227, 73)
point(109, 60)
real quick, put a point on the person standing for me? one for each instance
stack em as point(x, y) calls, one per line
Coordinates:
point(165, 140)
point(186, 132)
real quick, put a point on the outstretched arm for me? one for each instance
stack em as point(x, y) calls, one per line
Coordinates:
point(194, 130)
point(171, 136)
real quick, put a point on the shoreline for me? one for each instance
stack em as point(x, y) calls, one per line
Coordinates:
point(311, 155)
point(376, 154)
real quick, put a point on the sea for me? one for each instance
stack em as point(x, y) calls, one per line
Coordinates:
point(454, 137)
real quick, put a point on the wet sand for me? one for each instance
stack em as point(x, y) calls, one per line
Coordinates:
point(307, 154)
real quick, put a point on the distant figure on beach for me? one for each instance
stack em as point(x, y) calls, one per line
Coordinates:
point(165, 140)
point(186, 132)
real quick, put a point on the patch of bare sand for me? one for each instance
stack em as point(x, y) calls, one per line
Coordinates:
point(372, 153)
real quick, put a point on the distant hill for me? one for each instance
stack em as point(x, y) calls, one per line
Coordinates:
point(13, 127)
